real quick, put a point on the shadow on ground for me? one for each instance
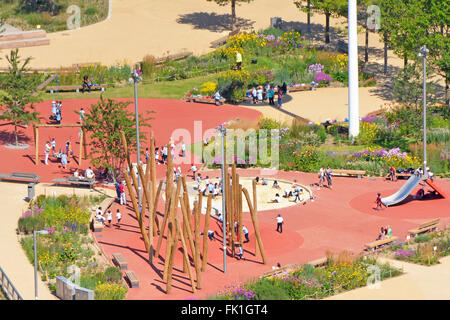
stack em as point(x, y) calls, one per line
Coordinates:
point(214, 22)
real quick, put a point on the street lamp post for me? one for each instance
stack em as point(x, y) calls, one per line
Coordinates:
point(222, 131)
point(423, 52)
point(136, 78)
point(35, 260)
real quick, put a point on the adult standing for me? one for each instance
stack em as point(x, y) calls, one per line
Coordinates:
point(117, 191)
point(64, 160)
point(259, 94)
point(238, 60)
point(194, 170)
point(123, 196)
point(271, 95)
point(245, 231)
point(47, 151)
point(183, 149)
point(328, 175)
point(280, 222)
point(321, 176)
point(280, 96)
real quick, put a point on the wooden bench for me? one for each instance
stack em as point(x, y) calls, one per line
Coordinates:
point(204, 100)
point(379, 243)
point(132, 279)
point(21, 176)
point(348, 173)
point(76, 181)
point(120, 261)
point(223, 40)
point(76, 88)
point(322, 262)
point(428, 226)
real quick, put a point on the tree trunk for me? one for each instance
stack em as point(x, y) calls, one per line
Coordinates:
point(308, 26)
point(327, 28)
point(447, 97)
point(385, 54)
point(366, 49)
point(15, 133)
point(405, 60)
point(233, 15)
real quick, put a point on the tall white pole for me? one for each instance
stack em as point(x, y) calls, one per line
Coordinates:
point(353, 96)
point(424, 51)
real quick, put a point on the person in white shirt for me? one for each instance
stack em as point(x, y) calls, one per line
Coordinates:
point(89, 173)
point(77, 174)
point(183, 149)
point(259, 94)
point(245, 230)
point(194, 170)
point(279, 223)
point(47, 151)
point(109, 217)
point(277, 199)
point(119, 217)
point(218, 98)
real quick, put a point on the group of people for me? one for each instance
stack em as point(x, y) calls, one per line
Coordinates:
point(99, 216)
point(325, 174)
point(88, 174)
point(267, 92)
point(62, 155)
point(56, 112)
point(162, 153)
point(385, 232)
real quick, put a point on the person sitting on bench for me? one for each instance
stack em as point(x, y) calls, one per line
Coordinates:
point(77, 175)
point(86, 84)
point(217, 98)
point(89, 173)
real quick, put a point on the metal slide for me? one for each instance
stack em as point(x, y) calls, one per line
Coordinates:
point(403, 192)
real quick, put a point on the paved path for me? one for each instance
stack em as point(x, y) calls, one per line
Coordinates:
point(12, 258)
point(418, 283)
point(140, 27)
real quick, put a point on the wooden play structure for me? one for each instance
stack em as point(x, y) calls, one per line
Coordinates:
point(181, 226)
point(82, 139)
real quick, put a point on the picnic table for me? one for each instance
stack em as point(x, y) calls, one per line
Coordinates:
point(76, 88)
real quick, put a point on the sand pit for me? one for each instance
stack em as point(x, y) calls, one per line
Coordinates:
point(265, 193)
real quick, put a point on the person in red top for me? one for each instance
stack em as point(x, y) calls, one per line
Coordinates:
point(379, 203)
point(392, 173)
point(123, 197)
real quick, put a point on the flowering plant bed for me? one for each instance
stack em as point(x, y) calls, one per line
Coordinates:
point(424, 249)
point(68, 245)
point(342, 273)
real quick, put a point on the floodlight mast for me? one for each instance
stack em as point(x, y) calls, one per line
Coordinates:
point(353, 94)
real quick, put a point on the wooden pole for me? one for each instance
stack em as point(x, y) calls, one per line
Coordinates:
point(130, 164)
point(153, 171)
point(155, 207)
point(150, 213)
point(241, 226)
point(255, 208)
point(80, 161)
point(138, 215)
point(170, 235)
point(185, 253)
point(84, 144)
point(163, 227)
point(187, 223)
point(197, 245)
point(255, 225)
point(36, 139)
point(205, 234)
point(173, 249)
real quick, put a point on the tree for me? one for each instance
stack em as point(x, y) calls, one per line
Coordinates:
point(327, 7)
point(233, 9)
point(18, 93)
point(103, 123)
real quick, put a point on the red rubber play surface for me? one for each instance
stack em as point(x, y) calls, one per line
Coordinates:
point(342, 218)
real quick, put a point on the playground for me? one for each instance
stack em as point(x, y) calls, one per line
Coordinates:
point(342, 218)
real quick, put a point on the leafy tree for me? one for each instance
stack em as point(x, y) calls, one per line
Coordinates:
point(103, 124)
point(18, 93)
point(327, 7)
point(233, 8)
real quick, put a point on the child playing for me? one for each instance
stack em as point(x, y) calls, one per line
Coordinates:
point(379, 203)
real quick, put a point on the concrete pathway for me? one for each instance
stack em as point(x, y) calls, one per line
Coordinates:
point(13, 259)
point(418, 283)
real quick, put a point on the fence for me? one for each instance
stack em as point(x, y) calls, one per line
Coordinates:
point(8, 288)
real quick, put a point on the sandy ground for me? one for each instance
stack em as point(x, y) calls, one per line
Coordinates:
point(140, 27)
point(418, 283)
point(12, 258)
point(321, 104)
point(264, 195)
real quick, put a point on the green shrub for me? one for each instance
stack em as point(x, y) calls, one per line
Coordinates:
point(110, 291)
point(266, 289)
point(113, 274)
point(422, 238)
point(91, 11)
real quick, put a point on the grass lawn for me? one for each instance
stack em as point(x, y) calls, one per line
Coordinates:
point(159, 90)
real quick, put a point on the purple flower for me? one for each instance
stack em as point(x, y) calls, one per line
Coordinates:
point(322, 77)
